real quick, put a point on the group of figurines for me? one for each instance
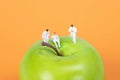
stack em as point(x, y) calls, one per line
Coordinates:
point(55, 38)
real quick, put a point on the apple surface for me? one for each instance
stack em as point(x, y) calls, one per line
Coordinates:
point(78, 61)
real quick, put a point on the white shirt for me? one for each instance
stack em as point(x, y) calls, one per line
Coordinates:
point(72, 29)
point(55, 38)
point(45, 34)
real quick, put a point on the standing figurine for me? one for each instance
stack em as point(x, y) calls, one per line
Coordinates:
point(56, 40)
point(72, 29)
point(45, 35)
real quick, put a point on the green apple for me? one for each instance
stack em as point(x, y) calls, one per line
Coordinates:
point(71, 61)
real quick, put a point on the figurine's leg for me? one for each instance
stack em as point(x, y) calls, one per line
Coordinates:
point(55, 43)
point(74, 38)
point(58, 43)
point(45, 40)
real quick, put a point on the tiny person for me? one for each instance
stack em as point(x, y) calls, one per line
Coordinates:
point(45, 35)
point(72, 29)
point(56, 40)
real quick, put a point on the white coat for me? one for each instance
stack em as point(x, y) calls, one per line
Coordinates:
point(45, 36)
point(73, 31)
point(56, 40)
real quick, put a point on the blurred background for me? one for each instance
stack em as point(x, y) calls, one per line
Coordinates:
point(23, 21)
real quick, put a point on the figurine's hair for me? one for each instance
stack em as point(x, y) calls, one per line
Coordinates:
point(47, 29)
point(71, 25)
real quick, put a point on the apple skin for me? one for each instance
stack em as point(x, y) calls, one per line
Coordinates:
point(79, 62)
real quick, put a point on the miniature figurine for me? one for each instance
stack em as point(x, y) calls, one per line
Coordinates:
point(56, 40)
point(72, 29)
point(45, 35)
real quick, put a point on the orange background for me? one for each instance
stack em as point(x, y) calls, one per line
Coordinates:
point(22, 22)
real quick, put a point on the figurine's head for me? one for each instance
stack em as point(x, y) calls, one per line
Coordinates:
point(54, 33)
point(71, 25)
point(47, 30)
